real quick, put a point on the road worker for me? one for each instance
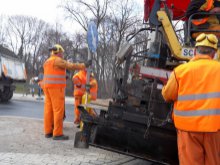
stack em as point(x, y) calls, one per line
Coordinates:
point(93, 87)
point(210, 22)
point(194, 88)
point(54, 90)
point(31, 84)
point(79, 81)
point(40, 82)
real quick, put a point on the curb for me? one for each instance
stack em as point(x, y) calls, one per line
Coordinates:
point(22, 97)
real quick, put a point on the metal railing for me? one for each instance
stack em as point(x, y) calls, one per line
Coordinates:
point(190, 28)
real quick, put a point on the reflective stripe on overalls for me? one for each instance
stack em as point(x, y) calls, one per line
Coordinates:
point(201, 112)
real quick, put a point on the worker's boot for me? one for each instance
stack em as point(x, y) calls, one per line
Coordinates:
point(62, 137)
point(49, 135)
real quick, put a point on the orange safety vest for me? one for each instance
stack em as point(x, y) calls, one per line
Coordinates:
point(197, 108)
point(79, 81)
point(93, 89)
point(208, 6)
point(53, 77)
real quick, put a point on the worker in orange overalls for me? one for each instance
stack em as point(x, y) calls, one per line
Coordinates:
point(93, 87)
point(93, 92)
point(54, 89)
point(79, 81)
point(194, 88)
point(203, 21)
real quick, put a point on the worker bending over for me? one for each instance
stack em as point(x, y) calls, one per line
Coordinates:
point(93, 87)
point(79, 81)
point(54, 90)
point(194, 88)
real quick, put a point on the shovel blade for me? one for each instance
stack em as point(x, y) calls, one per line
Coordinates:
point(80, 141)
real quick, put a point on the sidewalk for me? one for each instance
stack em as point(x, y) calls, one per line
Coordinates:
point(22, 142)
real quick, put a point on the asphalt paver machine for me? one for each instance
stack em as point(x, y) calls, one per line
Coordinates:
point(138, 121)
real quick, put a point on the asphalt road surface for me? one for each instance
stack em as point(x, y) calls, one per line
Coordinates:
point(30, 109)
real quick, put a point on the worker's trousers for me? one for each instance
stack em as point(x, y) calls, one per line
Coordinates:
point(198, 148)
point(54, 110)
point(78, 101)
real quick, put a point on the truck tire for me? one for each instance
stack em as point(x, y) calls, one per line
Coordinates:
point(6, 94)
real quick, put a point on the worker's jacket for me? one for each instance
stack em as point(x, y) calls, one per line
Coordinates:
point(94, 88)
point(202, 6)
point(79, 81)
point(54, 77)
point(197, 107)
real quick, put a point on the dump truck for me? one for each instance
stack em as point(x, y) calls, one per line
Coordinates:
point(138, 122)
point(11, 70)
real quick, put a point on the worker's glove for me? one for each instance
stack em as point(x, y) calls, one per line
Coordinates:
point(88, 63)
point(88, 86)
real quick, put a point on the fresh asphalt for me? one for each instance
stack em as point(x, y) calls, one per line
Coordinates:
point(30, 109)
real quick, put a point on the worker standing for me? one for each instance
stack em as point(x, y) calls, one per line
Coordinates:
point(31, 84)
point(54, 89)
point(194, 88)
point(40, 83)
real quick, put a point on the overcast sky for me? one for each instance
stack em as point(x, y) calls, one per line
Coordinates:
point(43, 9)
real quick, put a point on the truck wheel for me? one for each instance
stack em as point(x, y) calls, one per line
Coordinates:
point(10, 95)
point(6, 94)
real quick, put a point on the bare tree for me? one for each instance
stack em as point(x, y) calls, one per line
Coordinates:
point(86, 10)
point(2, 30)
point(83, 12)
point(122, 20)
point(25, 37)
point(51, 37)
point(36, 43)
point(114, 21)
